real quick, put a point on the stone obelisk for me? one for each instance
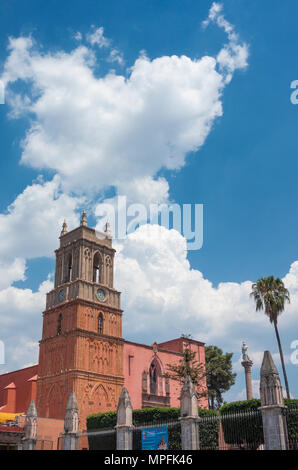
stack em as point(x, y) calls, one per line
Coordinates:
point(247, 364)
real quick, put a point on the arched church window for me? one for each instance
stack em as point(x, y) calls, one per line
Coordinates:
point(96, 268)
point(153, 379)
point(59, 325)
point(100, 323)
point(69, 268)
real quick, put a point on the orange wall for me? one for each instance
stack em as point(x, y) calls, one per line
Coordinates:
point(49, 430)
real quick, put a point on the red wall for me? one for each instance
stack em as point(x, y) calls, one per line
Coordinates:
point(25, 390)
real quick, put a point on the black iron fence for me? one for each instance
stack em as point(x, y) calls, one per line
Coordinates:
point(232, 431)
point(243, 430)
point(101, 439)
point(291, 414)
point(229, 431)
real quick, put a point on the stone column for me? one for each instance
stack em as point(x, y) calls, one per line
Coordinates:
point(71, 424)
point(272, 406)
point(247, 367)
point(29, 441)
point(247, 364)
point(124, 426)
point(189, 416)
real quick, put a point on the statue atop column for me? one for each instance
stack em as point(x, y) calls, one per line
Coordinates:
point(244, 352)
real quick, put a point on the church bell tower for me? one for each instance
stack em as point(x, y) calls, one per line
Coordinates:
point(81, 349)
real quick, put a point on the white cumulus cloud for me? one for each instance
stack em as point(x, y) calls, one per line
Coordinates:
point(234, 54)
point(21, 324)
point(170, 295)
point(116, 130)
point(163, 296)
point(97, 37)
point(30, 227)
point(12, 271)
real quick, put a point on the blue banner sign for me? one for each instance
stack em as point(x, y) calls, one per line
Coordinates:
point(155, 438)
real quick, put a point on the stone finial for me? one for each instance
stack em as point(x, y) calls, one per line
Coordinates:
point(107, 231)
point(84, 222)
point(188, 399)
point(31, 422)
point(64, 229)
point(124, 409)
point(272, 406)
point(270, 386)
point(32, 412)
point(71, 420)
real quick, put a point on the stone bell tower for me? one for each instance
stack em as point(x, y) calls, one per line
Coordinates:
point(81, 349)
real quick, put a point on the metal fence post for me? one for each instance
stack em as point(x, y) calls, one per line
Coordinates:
point(29, 441)
point(71, 425)
point(189, 416)
point(272, 406)
point(124, 426)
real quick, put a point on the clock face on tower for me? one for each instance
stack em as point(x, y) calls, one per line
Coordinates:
point(100, 294)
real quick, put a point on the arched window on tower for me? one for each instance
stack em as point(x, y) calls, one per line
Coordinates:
point(69, 268)
point(59, 325)
point(96, 268)
point(100, 323)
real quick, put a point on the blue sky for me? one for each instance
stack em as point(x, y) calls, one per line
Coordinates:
point(244, 169)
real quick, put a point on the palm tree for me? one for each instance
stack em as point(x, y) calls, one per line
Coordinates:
point(270, 295)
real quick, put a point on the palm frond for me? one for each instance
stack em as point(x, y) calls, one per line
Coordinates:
point(270, 295)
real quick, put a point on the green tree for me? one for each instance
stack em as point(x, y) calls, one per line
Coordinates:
point(219, 375)
point(188, 365)
point(270, 295)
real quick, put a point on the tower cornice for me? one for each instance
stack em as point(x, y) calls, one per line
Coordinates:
point(87, 234)
point(98, 306)
point(83, 333)
point(83, 291)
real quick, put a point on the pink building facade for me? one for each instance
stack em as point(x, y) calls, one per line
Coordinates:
point(144, 367)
